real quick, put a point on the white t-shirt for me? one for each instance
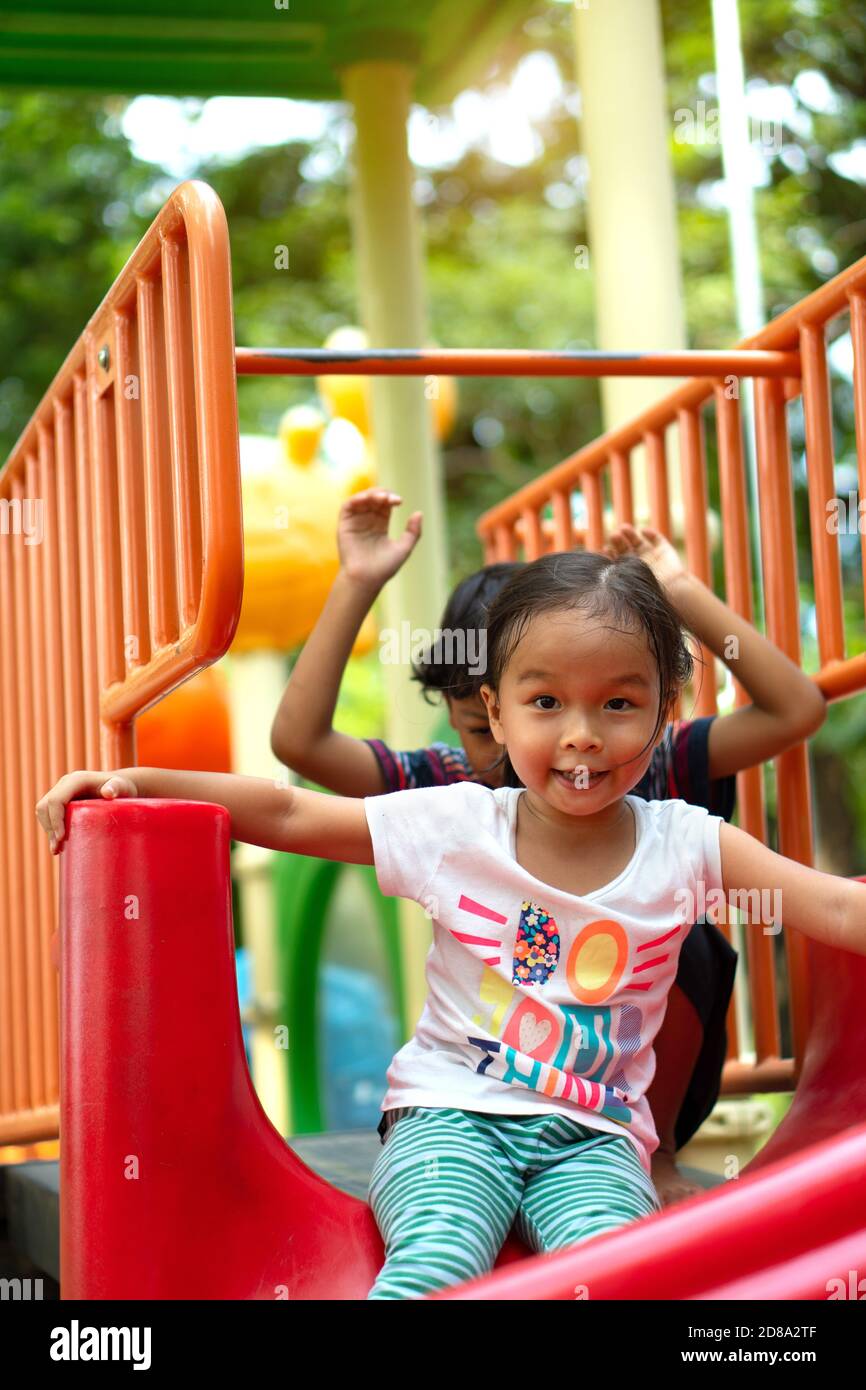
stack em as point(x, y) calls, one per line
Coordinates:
point(539, 1001)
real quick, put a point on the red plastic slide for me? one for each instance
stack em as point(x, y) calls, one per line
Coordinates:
point(174, 1184)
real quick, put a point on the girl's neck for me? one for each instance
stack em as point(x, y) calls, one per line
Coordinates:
point(573, 830)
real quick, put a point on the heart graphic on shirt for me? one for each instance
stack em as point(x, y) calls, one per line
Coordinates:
point(533, 1032)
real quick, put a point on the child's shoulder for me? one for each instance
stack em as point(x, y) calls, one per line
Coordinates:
point(454, 795)
point(670, 811)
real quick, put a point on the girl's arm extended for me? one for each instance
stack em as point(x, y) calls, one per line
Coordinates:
point(262, 813)
point(786, 705)
point(823, 906)
point(302, 735)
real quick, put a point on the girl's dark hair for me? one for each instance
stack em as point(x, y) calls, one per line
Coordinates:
point(465, 612)
point(623, 589)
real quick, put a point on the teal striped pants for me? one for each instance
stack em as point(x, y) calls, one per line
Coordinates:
point(448, 1184)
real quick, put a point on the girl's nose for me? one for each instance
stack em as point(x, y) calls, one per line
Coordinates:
point(580, 736)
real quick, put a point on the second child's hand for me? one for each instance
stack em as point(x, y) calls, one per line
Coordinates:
point(368, 555)
point(649, 545)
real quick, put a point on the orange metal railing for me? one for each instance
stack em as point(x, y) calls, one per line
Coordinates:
point(121, 571)
point(135, 580)
point(518, 525)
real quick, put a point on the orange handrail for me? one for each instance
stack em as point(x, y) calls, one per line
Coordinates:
point(131, 464)
point(510, 362)
point(135, 581)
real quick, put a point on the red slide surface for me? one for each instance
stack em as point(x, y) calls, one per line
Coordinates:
point(175, 1185)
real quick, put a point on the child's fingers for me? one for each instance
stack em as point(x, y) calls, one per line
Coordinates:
point(372, 498)
point(411, 535)
point(49, 813)
point(118, 786)
point(43, 815)
point(51, 808)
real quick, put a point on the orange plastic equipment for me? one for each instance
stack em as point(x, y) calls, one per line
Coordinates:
point(173, 1182)
point(190, 728)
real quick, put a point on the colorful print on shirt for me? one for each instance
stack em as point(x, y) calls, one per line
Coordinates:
point(536, 951)
point(565, 1051)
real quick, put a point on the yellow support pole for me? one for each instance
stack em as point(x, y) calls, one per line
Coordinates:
point(634, 248)
point(391, 284)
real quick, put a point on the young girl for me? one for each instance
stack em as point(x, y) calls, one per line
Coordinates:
point(696, 759)
point(559, 908)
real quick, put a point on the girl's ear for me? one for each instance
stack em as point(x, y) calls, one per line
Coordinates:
point(491, 704)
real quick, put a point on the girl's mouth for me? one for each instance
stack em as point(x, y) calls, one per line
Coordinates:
point(583, 784)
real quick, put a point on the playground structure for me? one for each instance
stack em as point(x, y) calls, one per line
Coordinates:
point(141, 539)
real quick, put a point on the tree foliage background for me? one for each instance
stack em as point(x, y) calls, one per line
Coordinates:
point(500, 245)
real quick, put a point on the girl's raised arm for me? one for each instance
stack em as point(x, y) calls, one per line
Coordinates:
point(262, 813)
point(777, 891)
point(787, 706)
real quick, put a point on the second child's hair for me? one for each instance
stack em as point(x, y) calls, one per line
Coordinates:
point(466, 611)
point(624, 590)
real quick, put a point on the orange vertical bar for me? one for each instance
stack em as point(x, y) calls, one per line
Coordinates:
point(563, 530)
point(106, 542)
point(822, 489)
point(111, 664)
point(489, 546)
point(26, 630)
point(131, 494)
point(51, 607)
point(694, 482)
point(74, 743)
point(506, 546)
point(858, 341)
point(783, 628)
point(39, 862)
point(45, 570)
point(84, 511)
point(184, 446)
point(533, 542)
point(157, 457)
point(620, 468)
point(14, 1076)
point(591, 488)
point(750, 784)
point(659, 495)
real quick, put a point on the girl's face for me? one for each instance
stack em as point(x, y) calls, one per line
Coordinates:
point(578, 692)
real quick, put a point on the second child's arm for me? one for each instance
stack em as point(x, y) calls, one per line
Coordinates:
point(302, 733)
point(826, 907)
point(262, 813)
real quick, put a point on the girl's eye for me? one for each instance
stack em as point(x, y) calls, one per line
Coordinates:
point(622, 700)
point(545, 697)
